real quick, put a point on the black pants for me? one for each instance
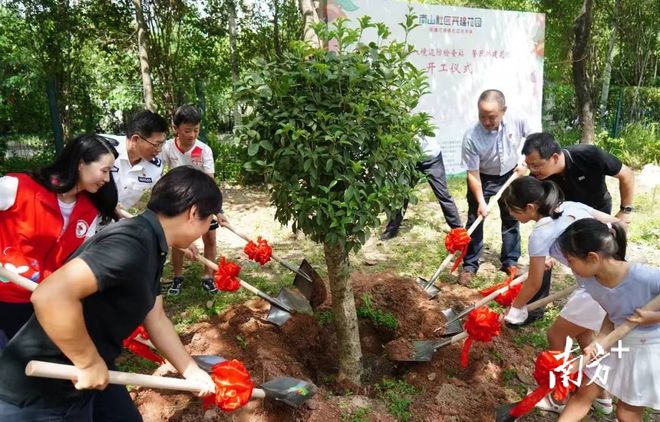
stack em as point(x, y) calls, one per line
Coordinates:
point(114, 404)
point(510, 227)
point(544, 291)
point(13, 316)
point(434, 169)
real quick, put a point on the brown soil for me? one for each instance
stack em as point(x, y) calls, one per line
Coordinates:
point(303, 348)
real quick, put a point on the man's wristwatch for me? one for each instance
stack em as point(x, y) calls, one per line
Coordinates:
point(626, 210)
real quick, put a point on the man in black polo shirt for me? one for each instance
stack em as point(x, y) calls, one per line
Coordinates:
point(109, 286)
point(580, 172)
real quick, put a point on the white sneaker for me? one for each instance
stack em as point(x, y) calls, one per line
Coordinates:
point(604, 406)
point(549, 405)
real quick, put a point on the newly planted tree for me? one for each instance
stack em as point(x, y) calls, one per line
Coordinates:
point(336, 137)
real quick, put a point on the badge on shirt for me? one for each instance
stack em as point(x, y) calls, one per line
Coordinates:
point(156, 162)
point(145, 179)
point(81, 228)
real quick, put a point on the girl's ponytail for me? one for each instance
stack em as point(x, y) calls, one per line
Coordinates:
point(546, 195)
point(590, 235)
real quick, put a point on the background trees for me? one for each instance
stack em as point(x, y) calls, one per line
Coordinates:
point(70, 66)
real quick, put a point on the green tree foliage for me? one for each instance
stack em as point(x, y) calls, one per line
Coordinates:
point(333, 133)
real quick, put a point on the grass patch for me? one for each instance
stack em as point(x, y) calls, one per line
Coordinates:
point(361, 414)
point(376, 316)
point(536, 333)
point(398, 396)
point(324, 317)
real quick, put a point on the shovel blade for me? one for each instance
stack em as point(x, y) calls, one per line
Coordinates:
point(431, 290)
point(502, 413)
point(206, 362)
point(291, 391)
point(454, 327)
point(314, 291)
point(292, 298)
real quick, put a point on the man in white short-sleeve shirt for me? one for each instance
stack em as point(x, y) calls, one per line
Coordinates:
point(490, 152)
point(139, 165)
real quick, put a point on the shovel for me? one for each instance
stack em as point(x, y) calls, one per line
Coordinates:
point(307, 280)
point(291, 391)
point(485, 300)
point(424, 349)
point(429, 286)
point(287, 302)
point(503, 413)
point(36, 368)
point(454, 326)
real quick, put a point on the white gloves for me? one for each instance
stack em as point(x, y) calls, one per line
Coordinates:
point(516, 316)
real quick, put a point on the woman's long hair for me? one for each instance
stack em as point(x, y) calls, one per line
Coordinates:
point(63, 174)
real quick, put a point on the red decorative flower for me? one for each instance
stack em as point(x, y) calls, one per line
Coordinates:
point(139, 348)
point(505, 299)
point(225, 277)
point(456, 240)
point(233, 386)
point(546, 362)
point(482, 324)
point(259, 252)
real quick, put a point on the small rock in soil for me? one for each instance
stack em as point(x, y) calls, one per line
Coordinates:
point(431, 376)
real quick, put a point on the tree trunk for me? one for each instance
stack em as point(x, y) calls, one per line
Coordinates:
point(234, 61)
point(343, 307)
point(310, 17)
point(147, 85)
point(582, 31)
point(276, 29)
point(607, 72)
point(55, 122)
point(201, 105)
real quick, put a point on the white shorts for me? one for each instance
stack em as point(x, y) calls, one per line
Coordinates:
point(581, 309)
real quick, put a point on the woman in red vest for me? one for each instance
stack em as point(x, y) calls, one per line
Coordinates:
point(47, 214)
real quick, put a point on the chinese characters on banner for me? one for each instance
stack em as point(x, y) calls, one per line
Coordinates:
point(464, 51)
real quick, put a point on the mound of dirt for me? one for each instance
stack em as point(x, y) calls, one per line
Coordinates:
point(304, 348)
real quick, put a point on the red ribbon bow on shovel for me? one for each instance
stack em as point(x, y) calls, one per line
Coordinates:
point(141, 349)
point(233, 386)
point(456, 240)
point(225, 278)
point(482, 324)
point(546, 362)
point(259, 252)
point(505, 299)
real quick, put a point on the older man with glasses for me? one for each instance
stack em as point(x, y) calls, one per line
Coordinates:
point(139, 166)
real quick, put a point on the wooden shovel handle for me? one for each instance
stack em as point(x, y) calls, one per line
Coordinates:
point(623, 329)
point(551, 298)
point(212, 265)
point(18, 279)
point(36, 368)
point(491, 203)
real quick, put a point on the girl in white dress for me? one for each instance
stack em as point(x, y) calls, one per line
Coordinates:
point(595, 253)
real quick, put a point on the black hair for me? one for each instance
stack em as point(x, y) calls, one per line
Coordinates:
point(186, 114)
point(545, 194)
point(64, 173)
point(183, 187)
point(590, 235)
point(492, 94)
point(145, 124)
point(543, 142)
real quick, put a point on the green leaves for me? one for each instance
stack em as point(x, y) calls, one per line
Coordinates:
point(336, 138)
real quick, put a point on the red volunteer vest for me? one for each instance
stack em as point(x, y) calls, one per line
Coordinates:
point(33, 226)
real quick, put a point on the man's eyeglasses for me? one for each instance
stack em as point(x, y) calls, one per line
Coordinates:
point(157, 145)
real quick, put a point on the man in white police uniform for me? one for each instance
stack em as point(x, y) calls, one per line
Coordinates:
point(139, 166)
